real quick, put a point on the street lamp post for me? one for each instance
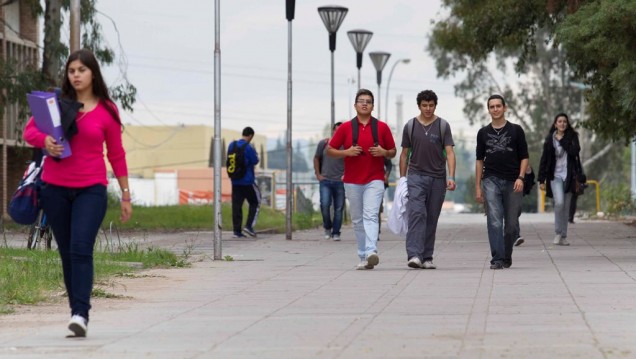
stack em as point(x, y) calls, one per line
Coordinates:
point(388, 84)
point(332, 17)
point(379, 60)
point(359, 39)
point(290, 7)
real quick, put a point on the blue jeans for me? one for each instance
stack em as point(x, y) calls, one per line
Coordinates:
point(502, 216)
point(561, 207)
point(426, 197)
point(364, 200)
point(332, 192)
point(75, 215)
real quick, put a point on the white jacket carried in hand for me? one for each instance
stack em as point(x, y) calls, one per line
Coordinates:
point(398, 219)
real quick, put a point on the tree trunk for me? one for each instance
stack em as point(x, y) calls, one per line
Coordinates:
point(53, 48)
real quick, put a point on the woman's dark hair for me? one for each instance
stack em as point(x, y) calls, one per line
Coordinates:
point(569, 129)
point(100, 90)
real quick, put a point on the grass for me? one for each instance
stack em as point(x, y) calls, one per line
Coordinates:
point(30, 276)
point(171, 218)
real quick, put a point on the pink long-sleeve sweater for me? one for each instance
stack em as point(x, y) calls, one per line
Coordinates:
point(86, 166)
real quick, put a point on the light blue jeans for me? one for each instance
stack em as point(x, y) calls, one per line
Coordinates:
point(561, 207)
point(364, 203)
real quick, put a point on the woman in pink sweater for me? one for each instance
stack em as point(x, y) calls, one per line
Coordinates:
point(73, 192)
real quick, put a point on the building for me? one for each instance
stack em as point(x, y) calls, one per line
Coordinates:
point(170, 165)
point(18, 45)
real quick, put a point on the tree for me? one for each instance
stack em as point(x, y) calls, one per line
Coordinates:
point(17, 79)
point(481, 34)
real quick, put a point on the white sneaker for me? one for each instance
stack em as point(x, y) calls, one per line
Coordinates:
point(78, 325)
point(557, 239)
point(373, 260)
point(429, 265)
point(363, 265)
point(336, 237)
point(564, 242)
point(327, 233)
point(415, 262)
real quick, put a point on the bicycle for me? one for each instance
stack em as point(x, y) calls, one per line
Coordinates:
point(40, 231)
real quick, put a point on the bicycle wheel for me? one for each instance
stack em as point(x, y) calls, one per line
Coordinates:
point(48, 237)
point(35, 232)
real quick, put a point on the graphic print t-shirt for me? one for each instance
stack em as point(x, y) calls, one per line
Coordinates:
point(502, 151)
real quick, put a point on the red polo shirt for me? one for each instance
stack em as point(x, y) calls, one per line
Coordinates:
point(363, 168)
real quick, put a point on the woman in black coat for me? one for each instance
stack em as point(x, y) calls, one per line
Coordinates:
point(558, 162)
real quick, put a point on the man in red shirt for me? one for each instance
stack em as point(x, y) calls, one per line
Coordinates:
point(364, 173)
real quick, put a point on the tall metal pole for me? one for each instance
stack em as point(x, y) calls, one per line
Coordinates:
point(290, 7)
point(75, 25)
point(379, 60)
point(388, 86)
point(332, 17)
point(217, 131)
point(333, 101)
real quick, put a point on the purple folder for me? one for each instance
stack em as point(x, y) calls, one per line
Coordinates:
point(46, 113)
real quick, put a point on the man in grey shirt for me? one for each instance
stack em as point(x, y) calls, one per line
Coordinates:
point(329, 171)
point(427, 145)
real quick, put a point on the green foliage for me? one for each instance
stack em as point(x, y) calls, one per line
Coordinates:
point(617, 200)
point(484, 34)
point(608, 67)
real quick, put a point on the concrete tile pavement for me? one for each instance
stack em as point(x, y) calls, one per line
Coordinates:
point(303, 298)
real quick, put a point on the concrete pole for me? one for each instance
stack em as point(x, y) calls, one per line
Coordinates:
point(218, 221)
point(75, 25)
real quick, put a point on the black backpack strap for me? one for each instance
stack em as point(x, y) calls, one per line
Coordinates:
point(354, 131)
point(374, 131)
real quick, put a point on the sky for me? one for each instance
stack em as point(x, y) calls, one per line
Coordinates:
point(167, 51)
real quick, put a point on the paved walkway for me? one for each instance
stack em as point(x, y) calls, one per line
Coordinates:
point(303, 299)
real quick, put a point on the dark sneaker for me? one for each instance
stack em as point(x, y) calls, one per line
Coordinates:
point(78, 325)
point(519, 241)
point(496, 265)
point(239, 235)
point(507, 264)
point(373, 260)
point(249, 231)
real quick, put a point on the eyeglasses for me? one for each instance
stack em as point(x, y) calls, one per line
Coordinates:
point(362, 102)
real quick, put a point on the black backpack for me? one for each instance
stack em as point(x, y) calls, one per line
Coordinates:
point(235, 163)
point(374, 131)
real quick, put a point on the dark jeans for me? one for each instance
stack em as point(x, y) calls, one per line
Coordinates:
point(252, 194)
point(332, 192)
point(75, 215)
point(502, 216)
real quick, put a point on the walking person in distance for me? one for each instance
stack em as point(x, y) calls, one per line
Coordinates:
point(558, 168)
point(329, 171)
point(242, 158)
